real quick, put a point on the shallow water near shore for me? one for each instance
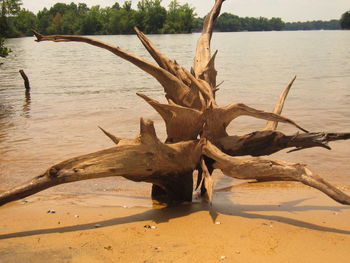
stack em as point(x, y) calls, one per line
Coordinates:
point(76, 87)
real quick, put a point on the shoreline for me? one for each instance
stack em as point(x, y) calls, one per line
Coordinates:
point(246, 223)
point(197, 32)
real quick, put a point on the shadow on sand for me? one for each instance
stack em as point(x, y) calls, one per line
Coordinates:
point(165, 214)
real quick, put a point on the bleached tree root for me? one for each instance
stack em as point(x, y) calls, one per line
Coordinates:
point(191, 113)
point(169, 167)
point(267, 142)
point(143, 159)
point(261, 169)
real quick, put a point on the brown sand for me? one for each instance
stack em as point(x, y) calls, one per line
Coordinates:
point(248, 223)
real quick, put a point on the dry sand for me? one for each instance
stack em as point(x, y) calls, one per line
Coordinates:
point(247, 223)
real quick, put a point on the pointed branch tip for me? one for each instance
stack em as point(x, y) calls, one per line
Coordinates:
point(115, 139)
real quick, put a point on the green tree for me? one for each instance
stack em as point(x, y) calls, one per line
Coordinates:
point(150, 16)
point(61, 18)
point(197, 24)
point(313, 25)
point(345, 20)
point(8, 8)
point(59, 8)
point(179, 18)
point(104, 17)
point(73, 18)
point(228, 23)
point(24, 22)
point(82, 9)
point(4, 51)
point(55, 26)
point(116, 6)
point(66, 19)
point(70, 23)
point(127, 5)
point(91, 23)
point(122, 21)
point(43, 20)
point(276, 23)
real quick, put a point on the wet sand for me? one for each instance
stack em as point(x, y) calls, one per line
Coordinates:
point(266, 222)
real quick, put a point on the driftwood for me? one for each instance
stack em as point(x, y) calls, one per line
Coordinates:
point(25, 79)
point(196, 134)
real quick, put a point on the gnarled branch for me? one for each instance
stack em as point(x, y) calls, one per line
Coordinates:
point(271, 170)
point(197, 86)
point(174, 88)
point(146, 159)
point(218, 118)
point(182, 123)
point(267, 142)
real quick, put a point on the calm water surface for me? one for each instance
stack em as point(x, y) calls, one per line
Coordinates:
point(76, 87)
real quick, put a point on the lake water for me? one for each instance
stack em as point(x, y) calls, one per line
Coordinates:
point(76, 87)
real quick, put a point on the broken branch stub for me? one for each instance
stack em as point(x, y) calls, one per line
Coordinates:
point(25, 79)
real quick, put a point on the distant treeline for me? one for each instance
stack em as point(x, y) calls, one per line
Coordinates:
point(231, 23)
point(227, 22)
point(313, 25)
point(150, 16)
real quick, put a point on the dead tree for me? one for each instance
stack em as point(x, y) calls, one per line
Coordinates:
point(196, 134)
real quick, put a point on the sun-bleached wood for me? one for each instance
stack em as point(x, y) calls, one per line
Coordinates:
point(272, 125)
point(143, 159)
point(262, 169)
point(196, 133)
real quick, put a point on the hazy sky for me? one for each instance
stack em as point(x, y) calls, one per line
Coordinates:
point(288, 10)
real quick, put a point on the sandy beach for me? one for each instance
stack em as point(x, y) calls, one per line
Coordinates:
point(266, 222)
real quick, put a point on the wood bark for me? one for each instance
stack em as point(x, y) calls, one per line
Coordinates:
point(196, 134)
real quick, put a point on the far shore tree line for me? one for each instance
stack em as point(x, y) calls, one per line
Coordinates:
point(149, 16)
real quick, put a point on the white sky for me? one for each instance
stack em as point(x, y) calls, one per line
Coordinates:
point(288, 10)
